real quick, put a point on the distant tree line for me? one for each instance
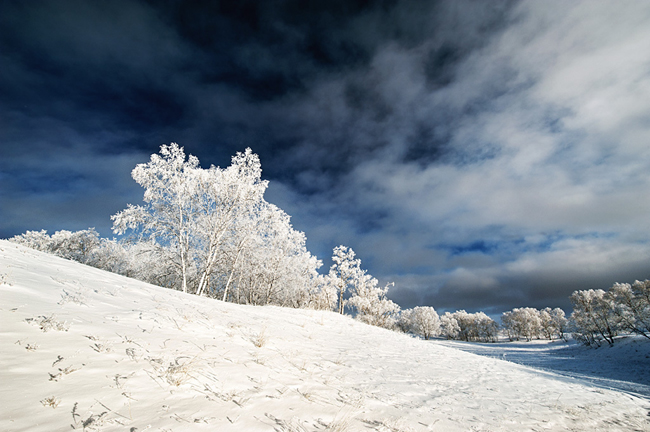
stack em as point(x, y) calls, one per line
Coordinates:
point(210, 232)
point(460, 325)
point(530, 323)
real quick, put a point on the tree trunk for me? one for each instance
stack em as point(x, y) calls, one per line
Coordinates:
point(232, 272)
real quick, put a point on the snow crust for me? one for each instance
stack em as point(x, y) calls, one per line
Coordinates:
point(90, 350)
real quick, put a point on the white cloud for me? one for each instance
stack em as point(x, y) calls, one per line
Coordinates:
point(550, 144)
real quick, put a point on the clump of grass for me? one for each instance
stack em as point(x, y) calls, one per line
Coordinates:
point(49, 323)
point(31, 347)
point(94, 421)
point(175, 373)
point(51, 401)
point(62, 372)
point(340, 423)
point(259, 339)
point(292, 425)
point(101, 347)
point(389, 425)
point(73, 297)
point(295, 425)
point(134, 354)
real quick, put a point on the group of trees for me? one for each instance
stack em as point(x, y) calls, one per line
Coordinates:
point(79, 246)
point(600, 315)
point(210, 232)
point(530, 323)
point(597, 316)
point(469, 327)
point(460, 325)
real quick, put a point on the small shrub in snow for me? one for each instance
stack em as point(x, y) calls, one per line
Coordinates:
point(101, 347)
point(134, 354)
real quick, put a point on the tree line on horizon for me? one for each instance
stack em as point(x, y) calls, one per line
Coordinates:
point(210, 232)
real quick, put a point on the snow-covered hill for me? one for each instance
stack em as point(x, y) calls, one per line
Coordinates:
point(89, 350)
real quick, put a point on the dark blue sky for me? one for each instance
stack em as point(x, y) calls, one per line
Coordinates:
point(482, 155)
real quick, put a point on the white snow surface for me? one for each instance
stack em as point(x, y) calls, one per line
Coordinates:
point(624, 366)
point(83, 349)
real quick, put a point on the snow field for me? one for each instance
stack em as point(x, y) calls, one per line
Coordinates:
point(90, 350)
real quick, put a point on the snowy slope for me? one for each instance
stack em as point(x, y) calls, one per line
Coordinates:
point(86, 349)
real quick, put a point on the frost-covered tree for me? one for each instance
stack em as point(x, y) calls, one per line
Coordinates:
point(77, 246)
point(403, 322)
point(471, 327)
point(594, 318)
point(560, 323)
point(74, 245)
point(553, 323)
point(276, 267)
point(522, 323)
point(425, 322)
point(323, 293)
point(214, 232)
point(345, 272)
point(169, 213)
point(371, 303)
point(487, 330)
point(230, 201)
point(111, 255)
point(449, 327)
point(38, 240)
point(546, 323)
point(632, 306)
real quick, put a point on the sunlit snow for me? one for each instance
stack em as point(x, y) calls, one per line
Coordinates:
point(89, 350)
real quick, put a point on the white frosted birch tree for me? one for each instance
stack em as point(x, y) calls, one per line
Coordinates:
point(168, 215)
point(229, 201)
point(344, 272)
